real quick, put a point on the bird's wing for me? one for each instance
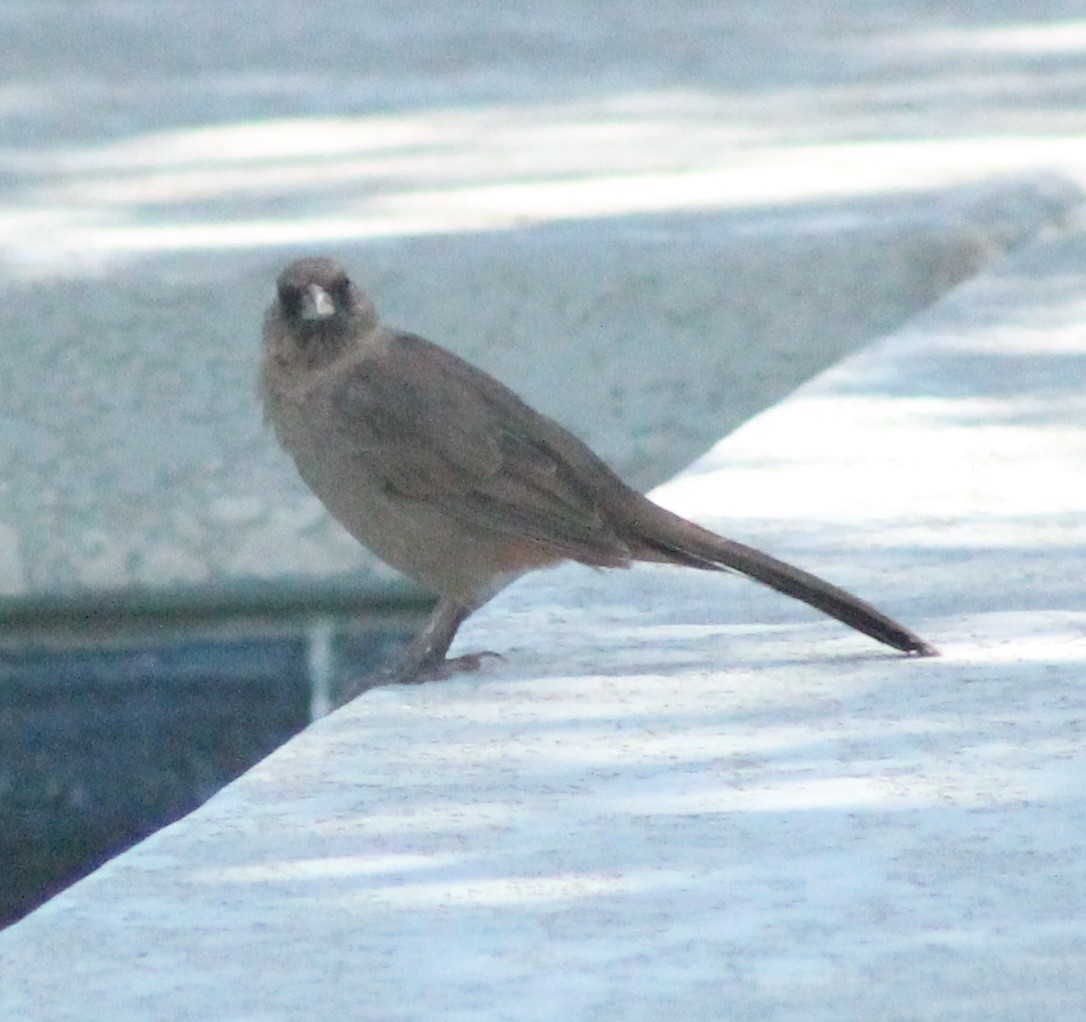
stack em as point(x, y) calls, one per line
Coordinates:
point(436, 429)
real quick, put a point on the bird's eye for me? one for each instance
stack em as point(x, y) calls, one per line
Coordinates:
point(341, 291)
point(290, 298)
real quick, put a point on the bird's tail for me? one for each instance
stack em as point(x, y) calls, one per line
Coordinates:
point(667, 537)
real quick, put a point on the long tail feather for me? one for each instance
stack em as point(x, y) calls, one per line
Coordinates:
point(674, 539)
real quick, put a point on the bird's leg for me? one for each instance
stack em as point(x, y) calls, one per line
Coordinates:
point(425, 658)
point(427, 650)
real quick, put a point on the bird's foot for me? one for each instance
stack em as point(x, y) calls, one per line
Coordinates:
point(439, 669)
point(416, 673)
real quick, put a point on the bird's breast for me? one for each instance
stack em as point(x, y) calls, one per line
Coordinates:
point(452, 556)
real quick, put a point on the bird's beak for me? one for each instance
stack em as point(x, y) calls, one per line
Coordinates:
point(316, 305)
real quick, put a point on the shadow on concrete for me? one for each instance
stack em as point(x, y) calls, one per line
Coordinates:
point(147, 203)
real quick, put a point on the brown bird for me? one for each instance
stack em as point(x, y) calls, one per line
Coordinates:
point(445, 474)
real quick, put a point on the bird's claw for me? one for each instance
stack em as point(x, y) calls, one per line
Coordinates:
point(446, 667)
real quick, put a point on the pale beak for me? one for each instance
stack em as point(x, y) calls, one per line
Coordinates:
point(316, 305)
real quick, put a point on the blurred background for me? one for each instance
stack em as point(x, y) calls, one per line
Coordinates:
point(651, 220)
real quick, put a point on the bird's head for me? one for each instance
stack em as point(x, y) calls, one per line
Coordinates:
point(319, 308)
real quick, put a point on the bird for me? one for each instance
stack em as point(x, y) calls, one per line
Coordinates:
point(448, 476)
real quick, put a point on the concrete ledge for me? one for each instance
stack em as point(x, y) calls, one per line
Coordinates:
point(680, 796)
point(139, 477)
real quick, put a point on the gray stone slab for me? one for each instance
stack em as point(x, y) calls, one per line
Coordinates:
point(738, 174)
point(681, 796)
point(136, 471)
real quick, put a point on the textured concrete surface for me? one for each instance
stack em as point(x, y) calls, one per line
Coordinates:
point(131, 440)
point(681, 796)
point(678, 795)
point(654, 221)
